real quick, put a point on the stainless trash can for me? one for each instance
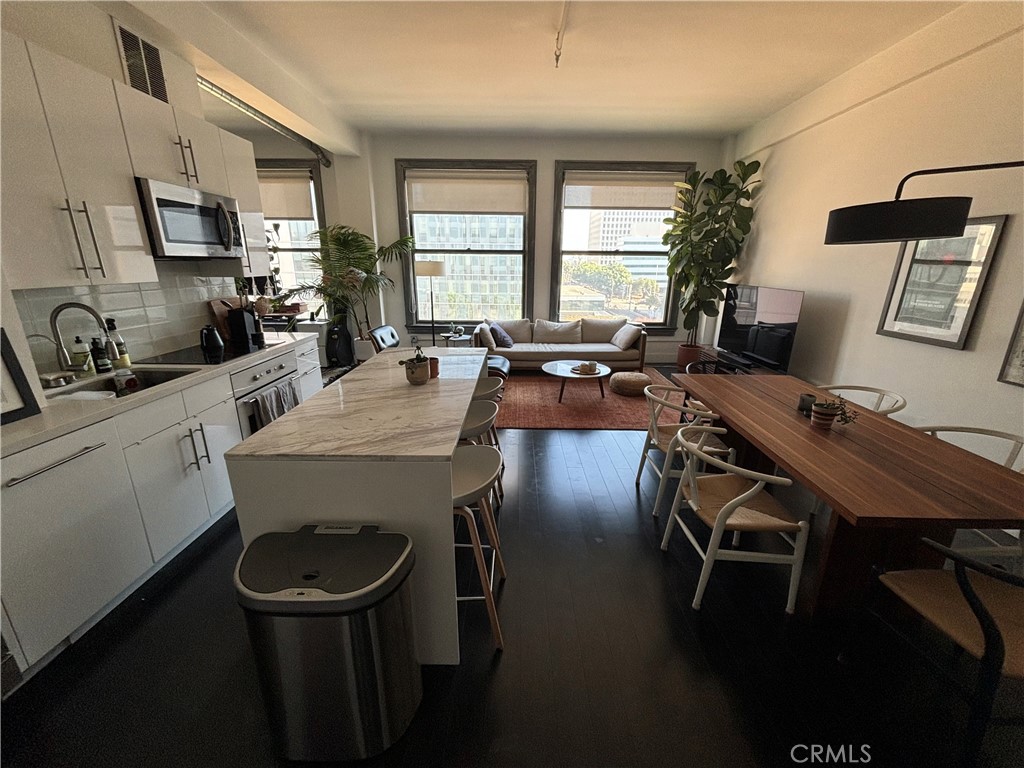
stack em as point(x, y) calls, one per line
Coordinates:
point(329, 616)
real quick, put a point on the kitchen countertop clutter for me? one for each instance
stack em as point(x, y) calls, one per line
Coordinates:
point(64, 414)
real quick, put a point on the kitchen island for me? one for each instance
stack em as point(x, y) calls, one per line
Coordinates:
point(371, 448)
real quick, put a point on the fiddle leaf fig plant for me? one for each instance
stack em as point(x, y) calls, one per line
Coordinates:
point(712, 219)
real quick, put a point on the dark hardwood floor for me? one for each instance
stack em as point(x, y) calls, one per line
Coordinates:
point(605, 662)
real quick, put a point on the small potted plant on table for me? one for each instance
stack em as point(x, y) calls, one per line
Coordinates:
point(825, 412)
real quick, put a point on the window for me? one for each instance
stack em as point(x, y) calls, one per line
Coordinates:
point(292, 211)
point(477, 218)
point(607, 257)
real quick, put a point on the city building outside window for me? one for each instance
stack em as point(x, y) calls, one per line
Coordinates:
point(608, 260)
point(477, 218)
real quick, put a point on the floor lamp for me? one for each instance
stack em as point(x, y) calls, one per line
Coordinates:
point(431, 269)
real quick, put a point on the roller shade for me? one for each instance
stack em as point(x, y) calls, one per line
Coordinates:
point(463, 191)
point(609, 189)
point(286, 193)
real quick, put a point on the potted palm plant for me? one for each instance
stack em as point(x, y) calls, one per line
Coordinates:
point(350, 276)
point(712, 219)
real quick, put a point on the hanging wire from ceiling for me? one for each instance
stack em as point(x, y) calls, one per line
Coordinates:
point(561, 32)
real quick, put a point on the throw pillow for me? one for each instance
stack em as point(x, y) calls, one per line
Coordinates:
point(600, 331)
point(483, 333)
point(626, 336)
point(501, 339)
point(557, 333)
point(521, 331)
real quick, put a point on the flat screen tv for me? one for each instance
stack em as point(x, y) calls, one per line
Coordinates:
point(758, 325)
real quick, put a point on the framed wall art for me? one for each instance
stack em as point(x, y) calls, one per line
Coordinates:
point(16, 398)
point(937, 284)
point(1012, 371)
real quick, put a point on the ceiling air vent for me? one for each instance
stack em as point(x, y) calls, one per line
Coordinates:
point(141, 62)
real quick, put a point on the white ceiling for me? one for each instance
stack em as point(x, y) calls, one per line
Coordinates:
point(710, 68)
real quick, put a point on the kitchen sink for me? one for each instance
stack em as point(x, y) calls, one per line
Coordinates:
point(92, 389)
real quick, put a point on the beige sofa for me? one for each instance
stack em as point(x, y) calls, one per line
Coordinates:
point(616, 343)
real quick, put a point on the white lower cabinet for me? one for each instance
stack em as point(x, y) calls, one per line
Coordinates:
point(72, 538)
point(179, 473)
point(310, 379)
point(169, 486)
point(219, 432)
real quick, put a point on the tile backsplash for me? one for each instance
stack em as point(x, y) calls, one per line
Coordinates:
point(153, 318)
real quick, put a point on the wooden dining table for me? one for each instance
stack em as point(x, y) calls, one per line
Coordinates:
point(886, 483)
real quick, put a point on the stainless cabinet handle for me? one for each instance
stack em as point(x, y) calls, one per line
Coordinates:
point(78, 237)
point(195, 168)
point(88, 449)
point(206, 445)
point(195, 451)
point(180, 144)
point(92, 234)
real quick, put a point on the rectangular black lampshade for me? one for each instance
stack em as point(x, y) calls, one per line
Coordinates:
point(921, 218)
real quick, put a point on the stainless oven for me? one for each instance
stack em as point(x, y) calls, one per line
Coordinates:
point(187, 223)
point(256, 380)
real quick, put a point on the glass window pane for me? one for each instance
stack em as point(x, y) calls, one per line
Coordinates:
point(474, 286)
point(459, 231)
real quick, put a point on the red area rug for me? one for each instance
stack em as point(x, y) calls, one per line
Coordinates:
point(531, 402)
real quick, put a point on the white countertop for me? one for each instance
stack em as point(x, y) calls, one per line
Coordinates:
point(61, 416)
point(374, 414)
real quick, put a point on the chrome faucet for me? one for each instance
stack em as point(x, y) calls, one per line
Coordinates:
point(63, 358)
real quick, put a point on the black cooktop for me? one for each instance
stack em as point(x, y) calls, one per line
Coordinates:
point(191, 356)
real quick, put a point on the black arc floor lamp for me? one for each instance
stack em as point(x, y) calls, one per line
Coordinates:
point(431, 269)
point(920, 218)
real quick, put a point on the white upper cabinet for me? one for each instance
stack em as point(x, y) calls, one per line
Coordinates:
point(38, 238)
point(245, 188)
point(171, 145)
point(204, 153)
point(82, 115)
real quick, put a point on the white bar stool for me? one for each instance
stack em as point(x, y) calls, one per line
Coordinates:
point(478, 428)
point(475, 469)
point(489, 388)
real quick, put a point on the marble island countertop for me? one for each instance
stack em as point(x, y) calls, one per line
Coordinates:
point(63, 415)
point(374, 414)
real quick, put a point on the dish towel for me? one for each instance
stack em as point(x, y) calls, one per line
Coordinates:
point(275, 403)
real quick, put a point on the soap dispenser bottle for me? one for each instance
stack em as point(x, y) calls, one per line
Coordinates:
point(81, 359)
point(122, 349)
point(99, 357)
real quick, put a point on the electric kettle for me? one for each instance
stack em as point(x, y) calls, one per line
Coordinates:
point(212, 345)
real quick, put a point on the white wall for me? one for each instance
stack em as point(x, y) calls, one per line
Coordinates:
point(950, 95)
point(384, 148)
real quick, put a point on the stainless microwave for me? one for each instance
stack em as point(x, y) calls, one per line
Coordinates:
point(187, 223)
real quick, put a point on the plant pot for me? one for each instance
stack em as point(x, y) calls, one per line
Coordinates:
point(686, 354)
point(416, 372)
point(822, 418)
point(364, 349)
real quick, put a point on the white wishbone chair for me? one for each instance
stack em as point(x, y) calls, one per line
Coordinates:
point(659, 436)
point(736, 501)
point(885, 401)
point(1014, 443)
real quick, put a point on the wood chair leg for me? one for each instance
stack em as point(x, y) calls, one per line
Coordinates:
point(487, 514)
point(798, 564)
point(481, 567)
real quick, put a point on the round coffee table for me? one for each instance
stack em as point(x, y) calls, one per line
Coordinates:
point(563, 369)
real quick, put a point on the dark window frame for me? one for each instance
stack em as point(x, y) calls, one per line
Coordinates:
point(313, 166)
point(616, 166)
point(402, 165)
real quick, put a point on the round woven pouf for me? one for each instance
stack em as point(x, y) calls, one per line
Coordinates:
point(630, 384)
